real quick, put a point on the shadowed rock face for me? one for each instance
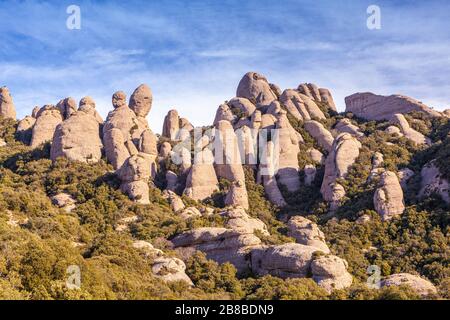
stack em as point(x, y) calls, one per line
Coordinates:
point(7, 109)
point(370, 106)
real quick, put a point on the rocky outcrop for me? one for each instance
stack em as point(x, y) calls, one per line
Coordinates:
point(78, 138)
point(343, 154)
point(224, 113)
point(306, 232)
point(404, 175)
point(171, 125)
point(267, 176)
point(323, 137)
point(290, 260)
point(64, 201)
point(312, 108)
point(346, 125)
point(176, 204)
point(24, 129)
point(48, 119)
point(67, 107)
point(330, 272)
point(433, 182)
point(288, 148)
point(310, 90)
point(135, 174)
point(255, 87)
point(141, 101)
point(130, 145)
point(228, 163)
point(294, 104)
point(407, 131)
point(169, 269)
point(327, 98)
point(220, 244)
point(7, 109)
point(419, 285)
point(316, 155)
point(370, 106)
point(243, 105)
point(388, 199)
point(202, 181)
point(310, 174)
point(239, 220)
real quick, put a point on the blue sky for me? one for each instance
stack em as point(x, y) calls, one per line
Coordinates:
point(193, 53)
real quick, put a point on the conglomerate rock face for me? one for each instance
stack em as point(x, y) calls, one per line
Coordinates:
point(370, 106)
point(7, 108)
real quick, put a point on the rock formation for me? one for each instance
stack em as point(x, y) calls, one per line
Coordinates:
point(330, 272)
point(7, 109)
point(370, 106)
point(306, 232)
point(320, 134)
point(202, 181)
point(419, 285)
point(135, 174)
point(433, 182)
point(346, 125)
point(171, 125)
point(343, 154)
point(49, 117)
point(388, 199)
point(255, 88)
point(78, 137)
point(407, 131)
point(24, 129)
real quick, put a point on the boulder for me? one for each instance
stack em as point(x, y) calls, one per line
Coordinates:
point(312, 108)
point(388, 199)
point(87, 105)
point(24, 129)
point(237, 195)
point(78, 139)
point(64, 201)
point(255, 88)
point(310, 174)
point(275, 89)
point(220, 244)
point(393, 130)
point(45, 125)
point(202, 181)
point(370, 106)
point(433, 182)
point(419, 285)
point(171, 125)
point(306, 232)
point(67, 107)
point(245, 106)
point(171, 180)
point(135, 174)
point(323, 137)
point(330, 272)
point(240, 221)
point(141, 101)
point(290, 260)
point(316, 155)
point(224, 113)
point(286, 141)
point(344, 151)
point(346, 125)
point(295, 105)
point(176, 204)
point(266, 174)
point(7, 109)
point(407, 131)
point(326, 97)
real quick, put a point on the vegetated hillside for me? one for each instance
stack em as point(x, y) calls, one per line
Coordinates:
point(38, 240)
